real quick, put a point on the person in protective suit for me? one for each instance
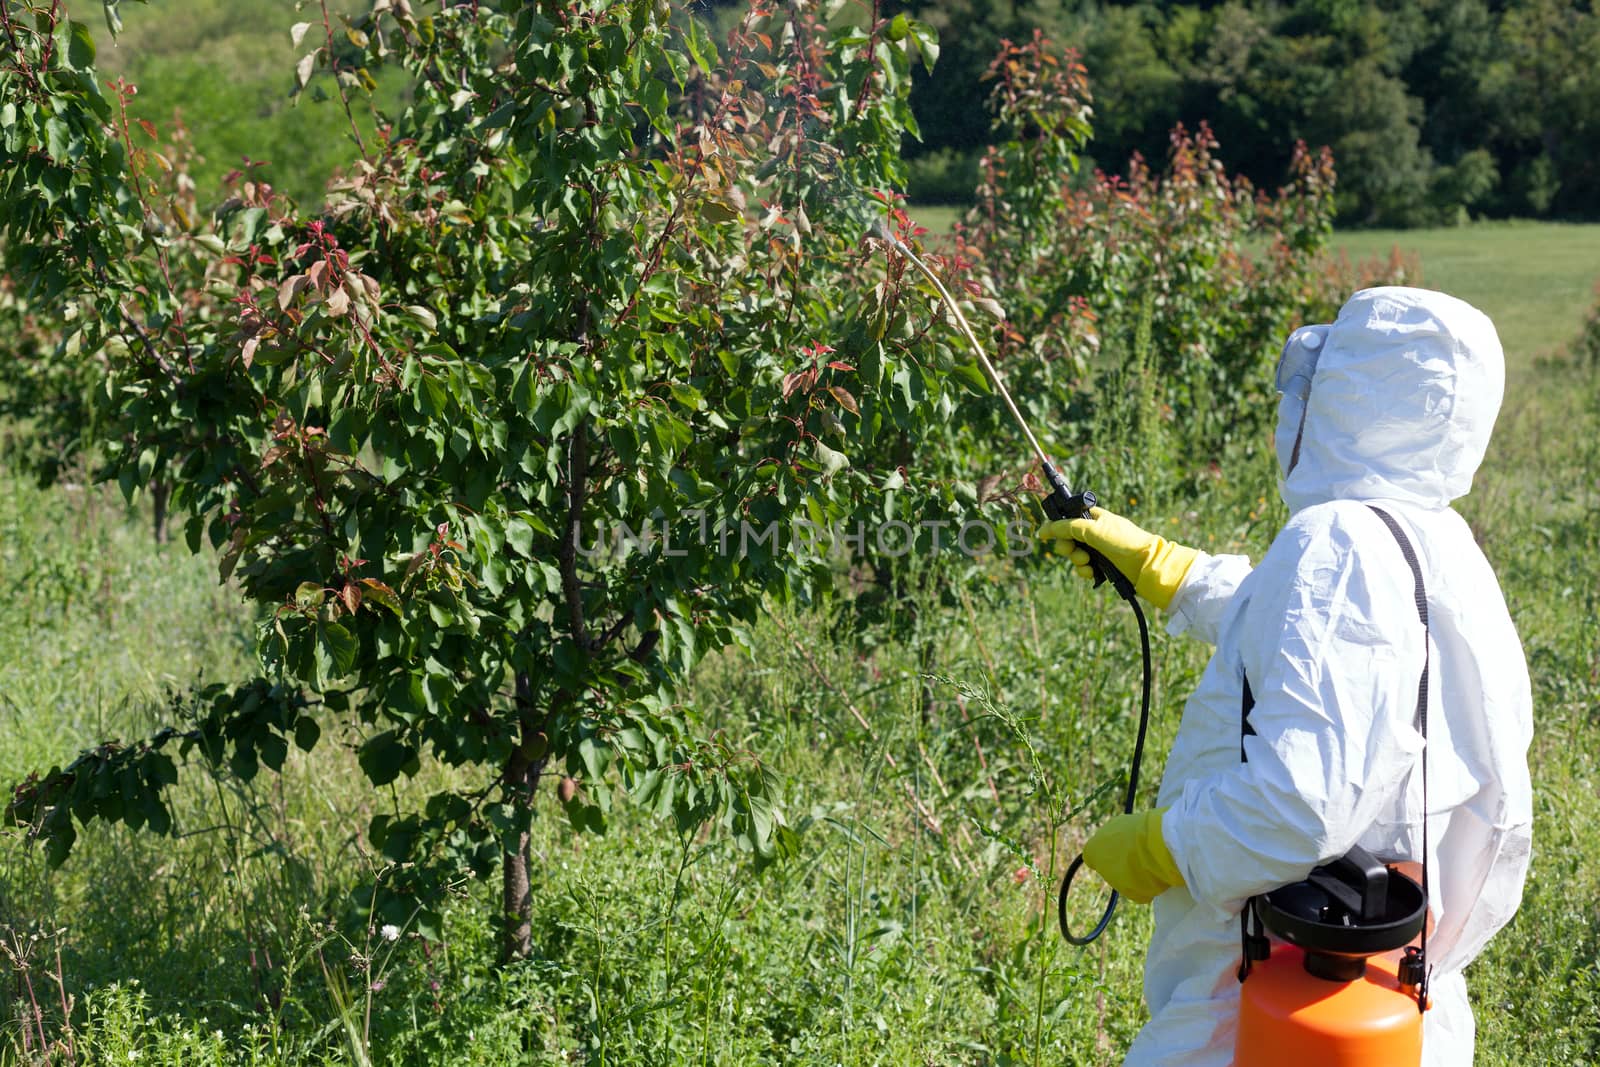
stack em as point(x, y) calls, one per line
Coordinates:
point(1390, 405)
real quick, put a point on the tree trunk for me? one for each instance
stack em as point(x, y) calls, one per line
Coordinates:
point(516, 898)
point(523, 769)
point(159, 492)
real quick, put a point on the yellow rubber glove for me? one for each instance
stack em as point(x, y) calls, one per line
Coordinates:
point(1155, 565)
point(1131, 855)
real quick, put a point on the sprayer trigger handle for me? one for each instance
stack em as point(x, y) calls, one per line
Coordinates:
point(1059, 505)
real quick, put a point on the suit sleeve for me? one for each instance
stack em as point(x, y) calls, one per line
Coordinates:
point(1203, 598)
point(1333, 650)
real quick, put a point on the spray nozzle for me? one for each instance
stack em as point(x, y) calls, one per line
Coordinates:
point(880, 230)
point(1063, 503)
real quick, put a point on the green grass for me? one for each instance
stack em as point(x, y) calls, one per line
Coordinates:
point(938, 218)
point(1536, 280)
point(881, 941)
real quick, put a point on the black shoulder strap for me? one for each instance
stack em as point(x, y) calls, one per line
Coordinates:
point(1421, 595)
point(1245, 729)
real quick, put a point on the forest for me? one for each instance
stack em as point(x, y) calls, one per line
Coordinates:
point(1437, 112)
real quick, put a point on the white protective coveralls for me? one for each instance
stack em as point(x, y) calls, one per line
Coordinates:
point(1404, 395)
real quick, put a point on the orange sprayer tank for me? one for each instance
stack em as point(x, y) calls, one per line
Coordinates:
point(1289, 1017)
point(1328, 997)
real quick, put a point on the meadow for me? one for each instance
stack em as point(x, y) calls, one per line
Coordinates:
point(915, 922)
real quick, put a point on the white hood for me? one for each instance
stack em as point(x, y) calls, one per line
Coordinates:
point(1406, 390)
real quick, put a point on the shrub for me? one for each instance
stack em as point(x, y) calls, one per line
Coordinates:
point(1587, 347)
point(1092, 260)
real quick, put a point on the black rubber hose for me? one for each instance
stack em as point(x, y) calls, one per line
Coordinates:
point(1133, 772)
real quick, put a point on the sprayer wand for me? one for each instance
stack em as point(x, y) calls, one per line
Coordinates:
point(1062, 503)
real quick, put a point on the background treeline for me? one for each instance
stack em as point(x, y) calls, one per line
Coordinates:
point(1434, 110)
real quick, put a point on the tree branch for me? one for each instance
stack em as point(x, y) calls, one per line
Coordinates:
point(577, 489)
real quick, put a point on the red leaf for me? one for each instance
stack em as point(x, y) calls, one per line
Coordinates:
point(148, 127)
point(802, 380)
point(836, 365)
point(846, 401)
point(286, 292)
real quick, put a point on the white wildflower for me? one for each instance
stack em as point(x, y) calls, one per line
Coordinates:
point(389, 932)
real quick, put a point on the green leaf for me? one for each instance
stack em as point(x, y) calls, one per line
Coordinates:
point(672, 434)
point(383, 756)
point(157, 818)
point(762, 820)
point(594, 758)
point(60, 841)
point(926, 40)
point(718, 210)
point(342, 647)
point(306, 733)
point(80, 46)
point(160, 770)
point(687, 395)
point(653, 95)
point(57, 140)
point(519, 535)
point(274, 750)
point(832, 461)
point(971, 376)
point(380, 594)
point(421, 316)
point(701, 48)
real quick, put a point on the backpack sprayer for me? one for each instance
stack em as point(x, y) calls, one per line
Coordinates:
point(1061, 503)
point(1313, 999)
